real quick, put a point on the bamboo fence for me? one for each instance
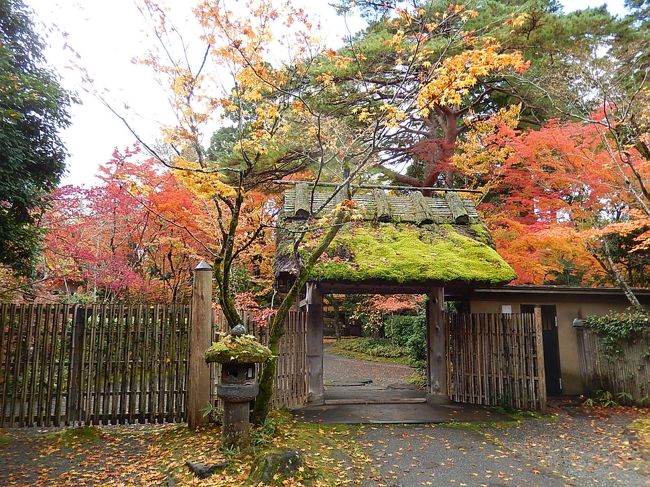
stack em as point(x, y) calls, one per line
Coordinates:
point(115, 363)
point(496, 359)
point(627, 374)
point(291, 363)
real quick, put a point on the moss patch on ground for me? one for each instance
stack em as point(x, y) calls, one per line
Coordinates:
point(641, 429)
point(332, 457)
point(407, 253)
point(515, 418)
point(370, 350)
point(154, 454)
point(74, 437)
point(5, 439)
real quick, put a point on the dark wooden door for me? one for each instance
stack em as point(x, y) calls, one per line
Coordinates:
point(552, 369)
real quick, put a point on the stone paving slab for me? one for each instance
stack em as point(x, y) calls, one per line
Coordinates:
point(372, 395)
point(418, 413)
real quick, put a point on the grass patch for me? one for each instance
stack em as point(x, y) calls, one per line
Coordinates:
point(641, 428)
point(518, 415)
point(5, 439)
point(418, 378)
point(74, 437)
point(371, 349)
point(515, 418)
point(480, 426)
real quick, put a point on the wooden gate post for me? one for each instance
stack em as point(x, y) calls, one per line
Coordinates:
point(437, 343)
point(198, 384)
point(314, 302)
point(539, 347)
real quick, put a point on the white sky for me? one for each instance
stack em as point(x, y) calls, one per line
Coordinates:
point(107, 35)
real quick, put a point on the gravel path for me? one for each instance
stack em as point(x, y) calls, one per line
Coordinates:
point(578, 448)
point(35, 457)
point(441, 456)
point(589, 447)
point(337, 368)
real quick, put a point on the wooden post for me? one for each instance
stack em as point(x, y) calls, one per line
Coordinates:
point(198, 385)
point(437, 347)
point(539, 346)
point(314, 302)
point(76, 365)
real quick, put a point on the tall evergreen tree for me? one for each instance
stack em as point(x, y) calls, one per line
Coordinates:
point(33, 109)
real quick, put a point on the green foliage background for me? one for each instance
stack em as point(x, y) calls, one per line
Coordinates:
point(33, 108)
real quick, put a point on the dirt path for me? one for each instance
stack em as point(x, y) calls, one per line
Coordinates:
point(337, 368)
point(579, 448)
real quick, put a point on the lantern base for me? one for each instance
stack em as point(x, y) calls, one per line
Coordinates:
point(236, 427)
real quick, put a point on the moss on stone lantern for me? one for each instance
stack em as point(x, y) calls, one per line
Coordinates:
point(242, 349)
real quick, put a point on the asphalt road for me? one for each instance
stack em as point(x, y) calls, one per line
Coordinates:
point(579, 448)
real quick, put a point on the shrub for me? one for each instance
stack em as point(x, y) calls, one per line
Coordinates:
point(417, 347)
point(409, 332)
point(375, 347)
point(401, 328)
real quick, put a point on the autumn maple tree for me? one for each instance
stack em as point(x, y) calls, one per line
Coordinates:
point(403, 100)
point(565, 205)
point(261, 101)
point(137, 234)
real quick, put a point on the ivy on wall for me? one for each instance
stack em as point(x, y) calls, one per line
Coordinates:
point(616, 328)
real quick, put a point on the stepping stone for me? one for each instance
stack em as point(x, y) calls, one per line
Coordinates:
point(343, 383)
point(202, 470)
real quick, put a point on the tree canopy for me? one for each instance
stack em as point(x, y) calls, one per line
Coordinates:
point(33, 109)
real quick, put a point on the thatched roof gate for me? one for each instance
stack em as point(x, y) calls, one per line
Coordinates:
point(400, 241)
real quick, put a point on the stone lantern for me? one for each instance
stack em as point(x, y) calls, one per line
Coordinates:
point(237, 353)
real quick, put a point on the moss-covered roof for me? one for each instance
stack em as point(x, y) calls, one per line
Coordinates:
point(396, 239)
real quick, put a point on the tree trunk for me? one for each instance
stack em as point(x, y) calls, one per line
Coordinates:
point(267, 379)
point(337, 320)
point(610, 268)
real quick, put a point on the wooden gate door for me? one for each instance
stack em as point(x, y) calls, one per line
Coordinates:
point(551, 347)
point(496, 359)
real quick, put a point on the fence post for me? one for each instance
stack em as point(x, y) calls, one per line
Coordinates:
point(539, 346)
point(198, 385)
point(76, 367)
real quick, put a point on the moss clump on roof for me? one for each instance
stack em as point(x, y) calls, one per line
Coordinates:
point(482, 234)
point(407, 253)
point(243, 349)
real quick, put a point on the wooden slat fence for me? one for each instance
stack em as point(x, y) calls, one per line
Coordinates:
point(496, 359)
point(291, 372)
point(34, 364)
point(107, 364)
point(93, 364)
point(627, 373)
